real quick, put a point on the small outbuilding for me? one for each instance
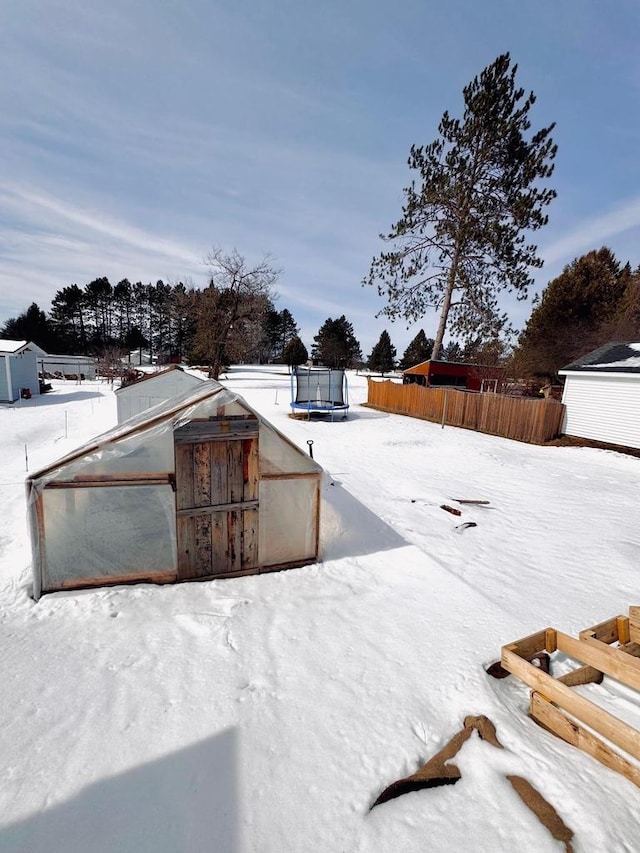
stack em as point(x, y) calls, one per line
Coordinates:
point(18, 371)
point(153, 388)
point(473, 377)
point(602, 395)
point(65, 366)
point(198, 487)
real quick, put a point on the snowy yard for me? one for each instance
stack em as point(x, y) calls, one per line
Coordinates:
point(267, 713)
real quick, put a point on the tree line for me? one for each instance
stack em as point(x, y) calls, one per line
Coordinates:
point(232, 319)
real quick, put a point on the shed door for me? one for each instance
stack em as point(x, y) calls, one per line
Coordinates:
point(217, 496)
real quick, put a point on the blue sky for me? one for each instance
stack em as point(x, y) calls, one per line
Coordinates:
point(135, 135)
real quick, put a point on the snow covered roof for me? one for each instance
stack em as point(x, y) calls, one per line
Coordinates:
point(189, 379)
point(11, 347)
point(612, 357)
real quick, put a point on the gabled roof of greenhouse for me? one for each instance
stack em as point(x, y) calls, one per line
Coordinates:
point(178, 409)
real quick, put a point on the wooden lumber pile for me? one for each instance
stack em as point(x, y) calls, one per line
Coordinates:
point(611, 648)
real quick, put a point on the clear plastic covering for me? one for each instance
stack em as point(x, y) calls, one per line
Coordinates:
point(288, 516)
point(141, 453)
point(280, 456)
point(109, 509)
point(107, 532)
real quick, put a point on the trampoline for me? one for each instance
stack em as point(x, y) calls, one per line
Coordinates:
point(319, 391)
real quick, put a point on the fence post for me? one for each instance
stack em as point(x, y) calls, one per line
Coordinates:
point(444, 408)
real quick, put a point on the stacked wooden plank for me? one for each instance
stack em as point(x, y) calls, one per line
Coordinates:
point(610, 648)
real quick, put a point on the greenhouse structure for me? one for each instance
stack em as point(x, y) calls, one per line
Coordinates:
point(198, 487)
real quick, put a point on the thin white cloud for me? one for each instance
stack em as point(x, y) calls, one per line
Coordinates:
point(593, 233)
point(32, 205)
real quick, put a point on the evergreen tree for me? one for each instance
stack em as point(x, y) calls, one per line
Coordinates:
point(483, 351)
point(419, 350)
point(271, 329)
point(288, 329)
point(97, 299)
point(295, 353)
point(279, 328)
point(335, 344)
point(122, 299)
point(573, 314)
point(479, 188)
point(452, 352)
point(33, 326)
point(625, 324)
point(382, 358)
point(182, 314)
point(69, 318)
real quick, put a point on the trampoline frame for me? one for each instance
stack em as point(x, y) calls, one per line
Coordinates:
point(318, 405)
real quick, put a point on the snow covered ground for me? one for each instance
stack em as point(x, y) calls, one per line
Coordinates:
point(267, 713)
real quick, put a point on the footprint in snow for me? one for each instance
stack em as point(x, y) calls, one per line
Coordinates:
point(210, 622)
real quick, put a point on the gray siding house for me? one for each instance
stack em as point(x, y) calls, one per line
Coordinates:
point(602, 395)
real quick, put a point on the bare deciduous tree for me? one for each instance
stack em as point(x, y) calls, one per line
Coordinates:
point(237, 295)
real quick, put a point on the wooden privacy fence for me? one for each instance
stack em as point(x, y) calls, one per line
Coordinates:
point(520, 418)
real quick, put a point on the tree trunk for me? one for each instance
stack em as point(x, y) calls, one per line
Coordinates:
point(446, 305)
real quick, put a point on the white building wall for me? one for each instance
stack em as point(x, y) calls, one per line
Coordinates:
point(6, 395)
point(133, 399)
point(603, 407)
point(24, 373)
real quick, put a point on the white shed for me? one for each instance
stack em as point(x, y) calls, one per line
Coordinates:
point(152, 389)
point(602, 395)
point(18, 370)
point(80, 366)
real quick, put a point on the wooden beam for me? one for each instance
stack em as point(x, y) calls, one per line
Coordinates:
point(631, 649)
point(606, 724)
point(111, 480)
point(106, 478)
point(582, 675)
point(606, 632)
point(311, 475)
point(611, 661)
point(40, 535)
point(622, 623)
point(224, 429)
point(159, 577)
point(202, 497)
point(634, 628)
point(551, 718)
point(209, 510)
point(316, 518)
point(529, 646)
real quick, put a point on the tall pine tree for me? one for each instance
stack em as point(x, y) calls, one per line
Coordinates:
point(295, 352)
point(573, 313)
point(479, 187)
point(335, 344)
point(382, 358)
point(419, 350)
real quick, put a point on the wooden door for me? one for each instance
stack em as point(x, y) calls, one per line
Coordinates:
point(217, 496)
